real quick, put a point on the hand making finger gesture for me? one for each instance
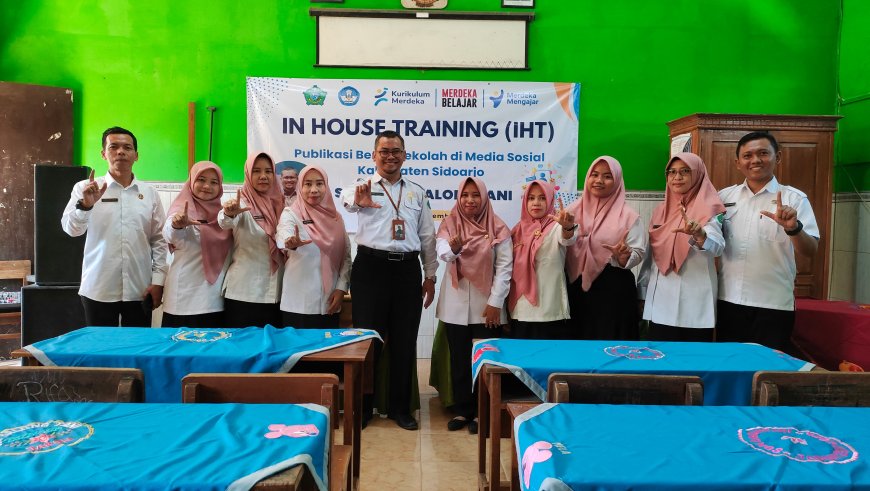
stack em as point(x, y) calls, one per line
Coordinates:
point(181, 220)
point(92, 192)
point(621, 252)
point(456, 242)
point(785, 216)
point(233, 206)
point(294, 241)
point(565, 219)
point(691, 227)
point(363, 196)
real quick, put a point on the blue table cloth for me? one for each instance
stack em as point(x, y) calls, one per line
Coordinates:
point(167, 355)
point(725, 368)
point(158, 446)
point(585, 446)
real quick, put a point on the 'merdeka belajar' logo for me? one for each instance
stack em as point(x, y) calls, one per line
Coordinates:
point(459, 98)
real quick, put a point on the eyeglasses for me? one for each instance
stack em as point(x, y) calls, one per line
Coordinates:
point(396, 152)
point(685, 172)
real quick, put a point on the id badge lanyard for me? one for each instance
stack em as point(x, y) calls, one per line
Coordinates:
point(398, 226)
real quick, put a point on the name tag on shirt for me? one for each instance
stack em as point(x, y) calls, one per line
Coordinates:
point(656, 226)
point(377, 193)
point(307, 222)
point(109, 200)
point(730, 204)
point(259, 217)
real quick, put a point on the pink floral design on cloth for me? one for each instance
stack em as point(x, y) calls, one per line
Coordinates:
point(293, 431)
point(535, 453)
point(479, 352)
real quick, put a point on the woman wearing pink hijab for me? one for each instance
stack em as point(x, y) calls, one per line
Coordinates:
point(538, 300)
point(317, 270)
point(611, 241)
point(476, 246)
point(192, 292)
point(678, 280)
point(253, 283)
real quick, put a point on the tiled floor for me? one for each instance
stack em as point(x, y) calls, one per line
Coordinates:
point(431, 458)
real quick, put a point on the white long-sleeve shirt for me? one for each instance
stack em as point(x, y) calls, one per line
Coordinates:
point(375, 225)
point(186, 291)
point(465, 304)
point(687, 298)
point(249, 277)
point(550, 275)
point(758, 265)
point(125, 251)
point(303, 291)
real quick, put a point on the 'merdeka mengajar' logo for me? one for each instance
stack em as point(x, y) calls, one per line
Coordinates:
point(459, 98)
point(40, 437)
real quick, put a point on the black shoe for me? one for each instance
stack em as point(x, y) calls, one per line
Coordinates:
point(457, 423)
point(405, 421)
point(472, 427)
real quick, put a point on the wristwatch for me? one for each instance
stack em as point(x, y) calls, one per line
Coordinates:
point(796, 230)
point(81, 206)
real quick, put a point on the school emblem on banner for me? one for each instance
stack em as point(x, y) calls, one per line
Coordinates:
point(204, 336)
point(41, 437)
point(634, 352)
point(798, 445)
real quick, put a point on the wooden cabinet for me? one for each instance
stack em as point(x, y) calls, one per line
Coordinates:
point(807, 145)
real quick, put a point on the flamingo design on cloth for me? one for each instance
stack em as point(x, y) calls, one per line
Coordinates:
point(293, 431)
point(479, 352)
point(535, 453)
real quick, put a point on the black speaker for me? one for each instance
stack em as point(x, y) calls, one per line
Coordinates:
point(49, 311)
point(57, 256)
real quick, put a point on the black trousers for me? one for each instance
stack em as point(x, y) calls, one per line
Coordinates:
point(309, 321)
point(246, 314)
point(744, 324)
point(662, 332)
point(608, 311)
point(387, 297)
point(211, 319)
point(560, 329)
point(459, 340)
point(107, 314)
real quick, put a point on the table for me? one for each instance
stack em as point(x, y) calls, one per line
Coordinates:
point(249, 350)
point(725, 368)
point(588, 446)
point(161, 446)
point(830, 332)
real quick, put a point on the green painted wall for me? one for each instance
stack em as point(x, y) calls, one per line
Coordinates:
point(852, 171)
point(641, 63)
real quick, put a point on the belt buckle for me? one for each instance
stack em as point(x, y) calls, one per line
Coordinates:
point(395, 256)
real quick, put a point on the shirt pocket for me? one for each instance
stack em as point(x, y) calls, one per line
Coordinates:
point(768, 229)
point(728, 222)
point(413, 201)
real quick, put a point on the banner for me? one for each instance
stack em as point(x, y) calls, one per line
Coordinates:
point(505, 133)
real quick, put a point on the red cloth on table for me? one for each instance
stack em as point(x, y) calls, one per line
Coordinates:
point(830, 332)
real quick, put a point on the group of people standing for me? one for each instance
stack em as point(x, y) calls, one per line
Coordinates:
point(710, 260)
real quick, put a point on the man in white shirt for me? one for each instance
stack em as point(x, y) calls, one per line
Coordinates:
point(395, 229)
point(765, 224)
point(124, 263)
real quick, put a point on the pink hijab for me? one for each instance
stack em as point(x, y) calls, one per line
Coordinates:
point(215, 242)
point(602, 221)
point(265, 207)
point(325, 226)
point(482, 232)
point(527, 236)
point(702, 203)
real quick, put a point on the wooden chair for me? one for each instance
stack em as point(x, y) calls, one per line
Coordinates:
point(71, 384)
point(618, 388)
point(272, 388)
point(817, 388)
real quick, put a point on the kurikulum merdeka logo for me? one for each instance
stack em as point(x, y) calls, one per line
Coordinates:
point(348, 96)
point(314, 96)
point(201, 336)
point(43, 436)
point(381, 96)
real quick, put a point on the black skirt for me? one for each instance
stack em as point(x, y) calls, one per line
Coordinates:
point(608, 311)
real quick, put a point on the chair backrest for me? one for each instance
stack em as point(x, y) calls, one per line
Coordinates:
point(816, 388)
point(618, 388)
point(15, 270)
point(263, 388)
point(71, 384)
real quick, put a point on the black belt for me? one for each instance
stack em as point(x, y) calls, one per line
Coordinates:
point(388, 255)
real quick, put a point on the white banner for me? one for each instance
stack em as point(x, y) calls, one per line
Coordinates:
point(505, 133)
